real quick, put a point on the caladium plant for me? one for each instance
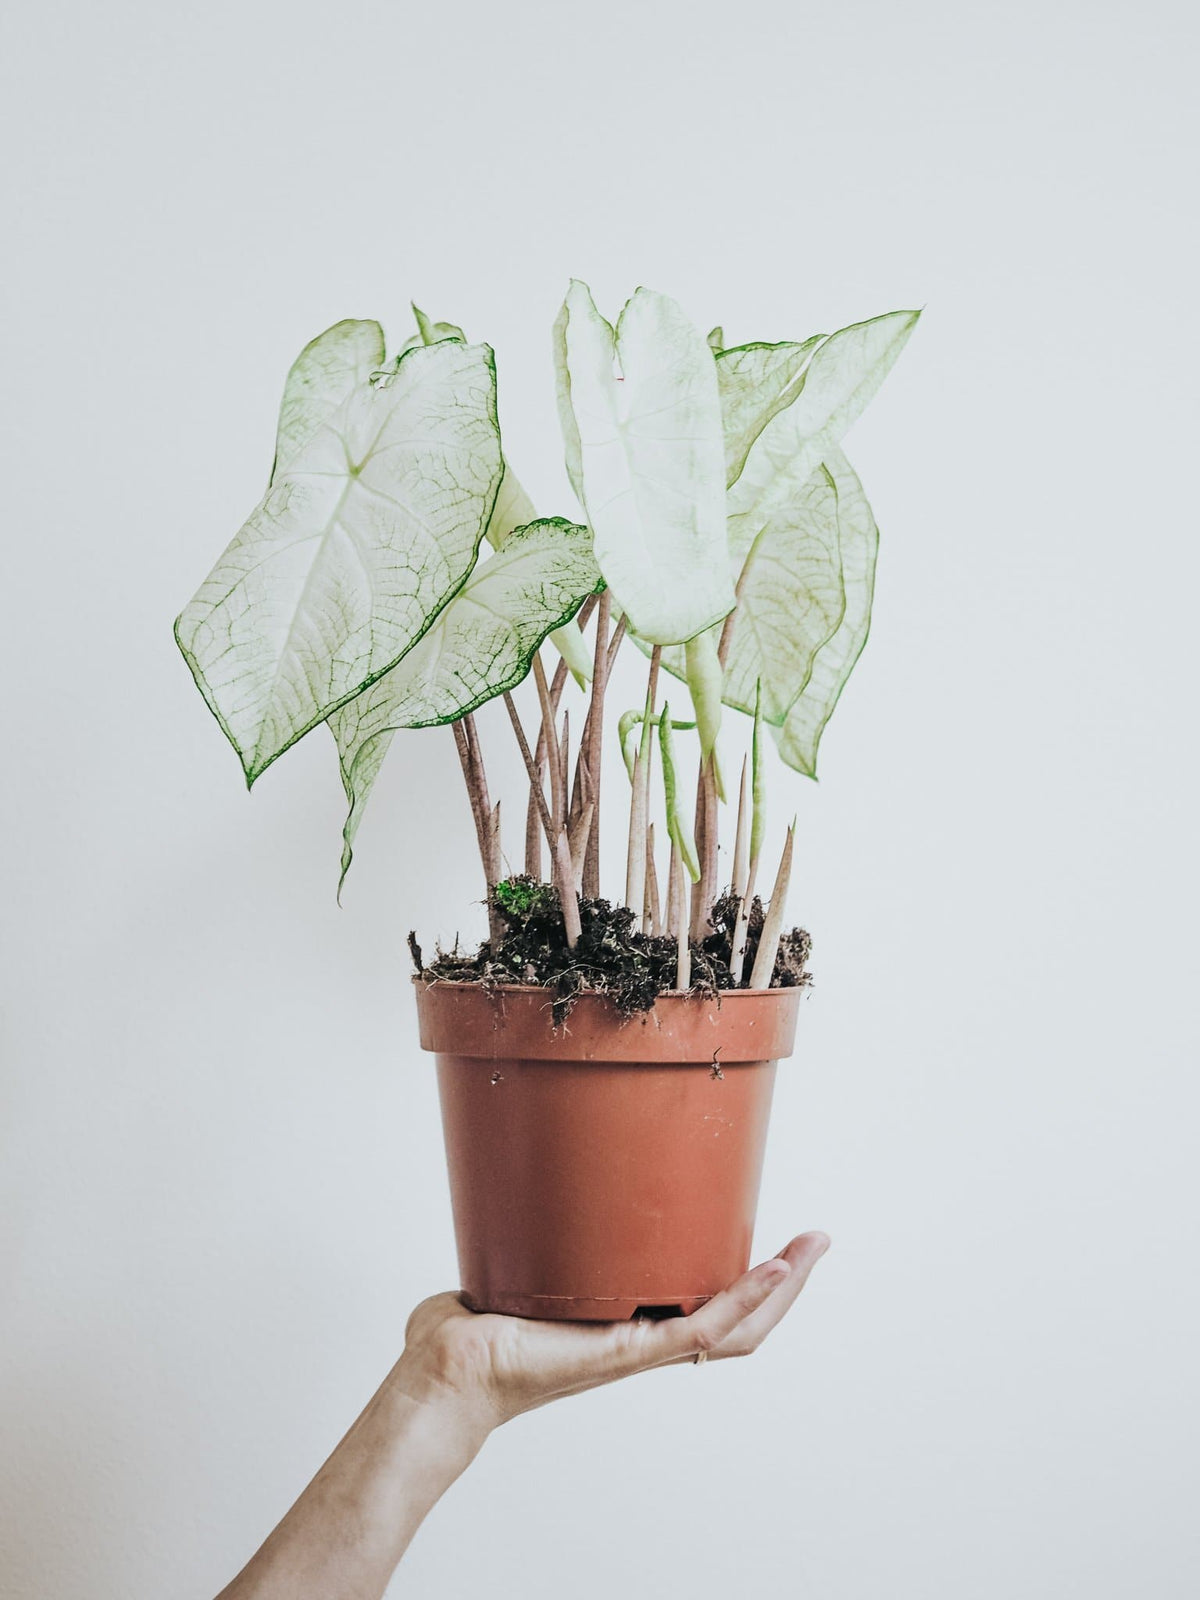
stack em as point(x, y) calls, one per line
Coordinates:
point(395, 575)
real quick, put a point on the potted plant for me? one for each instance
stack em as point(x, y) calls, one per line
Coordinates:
point(605, 1064)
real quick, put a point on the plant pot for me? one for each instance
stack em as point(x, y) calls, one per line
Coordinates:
point(609, 1166)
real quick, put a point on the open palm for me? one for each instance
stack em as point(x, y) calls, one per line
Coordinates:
point(513, 1364)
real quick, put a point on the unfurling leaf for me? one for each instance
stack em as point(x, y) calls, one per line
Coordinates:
point(431, 332)
point(482, 644)
point(645, 452)
point(369, 527)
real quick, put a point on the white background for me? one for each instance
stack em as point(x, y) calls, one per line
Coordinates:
point(222, 1178)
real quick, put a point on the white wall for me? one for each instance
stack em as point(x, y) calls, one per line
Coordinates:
point(222, 1182)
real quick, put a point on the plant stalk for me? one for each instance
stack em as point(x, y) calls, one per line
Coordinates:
point(577, 838)
point(558, 799)
point(768, 945)
point(741, 927)
point(704, 890)
point(683, 953)
point(741, 841)
point(556, 838)
point(639, 800)
point(652, 918)
point(533, 830)
point(592, 743)
point(672, 906)
point(487, 820)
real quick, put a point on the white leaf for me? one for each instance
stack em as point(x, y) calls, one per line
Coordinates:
point(840, 378)
point(801, 733)
point(790, 597)
point(363, 536)
point(647, 447)
point(791, 600)
point(756, 382)
point(322, 376)
point(482, 644)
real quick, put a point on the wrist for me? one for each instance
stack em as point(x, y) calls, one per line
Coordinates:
point(446, 1425)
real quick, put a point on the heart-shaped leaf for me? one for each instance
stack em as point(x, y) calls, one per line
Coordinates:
point(800, 735)
point(646, 455)
point(367, 530)
point(482, 644)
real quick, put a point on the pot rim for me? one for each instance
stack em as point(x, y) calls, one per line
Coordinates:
point(515, 1022)
point(595, 994)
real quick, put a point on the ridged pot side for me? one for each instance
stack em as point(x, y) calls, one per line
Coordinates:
point(611, 1164)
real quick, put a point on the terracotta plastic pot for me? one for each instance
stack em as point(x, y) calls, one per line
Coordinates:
point(611, 1165)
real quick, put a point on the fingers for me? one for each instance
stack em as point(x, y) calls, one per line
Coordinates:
point(802, 1255)
point(707, 1329)
point(578, 1356)
point(523, 1364)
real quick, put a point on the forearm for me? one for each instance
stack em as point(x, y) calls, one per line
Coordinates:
point(344, 1536)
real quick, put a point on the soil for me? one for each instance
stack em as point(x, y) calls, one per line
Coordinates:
point(611, 957)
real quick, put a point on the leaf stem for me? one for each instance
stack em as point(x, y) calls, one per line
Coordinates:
point(704, 889)
point(592, 742)
point(639, 800)
point(556, 838)
point(533, 835)
point(768, 944)
point(683, 953)
point(558, 805)
point(487, 820)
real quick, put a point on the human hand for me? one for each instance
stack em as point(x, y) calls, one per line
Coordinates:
point(460, 1376)
point(488, 1369)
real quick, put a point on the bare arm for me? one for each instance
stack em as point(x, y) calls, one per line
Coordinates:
point(460, 1376)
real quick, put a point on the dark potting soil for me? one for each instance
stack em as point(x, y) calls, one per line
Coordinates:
point(611, 957)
